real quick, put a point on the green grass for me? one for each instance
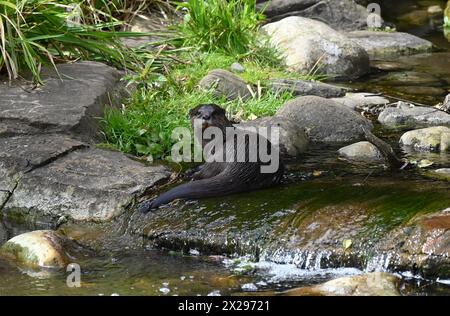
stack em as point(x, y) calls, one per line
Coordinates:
point(144, 127)
point(45, 32)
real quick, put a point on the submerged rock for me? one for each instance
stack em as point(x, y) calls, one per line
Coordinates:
point(85, 185)
point(408, 116)
point(343, 15)
point(292, 138)
point(439, 174)
point(225, 84)
point(361, 151)
point(307, 87)
point(41, 248)
point(380, 45)
point(429, 139)
point(308, 44)
point(372, 284)
point(325, 120)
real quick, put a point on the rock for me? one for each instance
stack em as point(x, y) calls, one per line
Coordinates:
point(325, 120)
point(70, 104)
point(435, 10)
point(293, 140)
point(40, 248)
point(416, 17)
point(381, 45)
point(342, 15)
point(372, 284)
point(423, 243)
point(307, 87)
point(307, 43)
point(407, 116)
point(225, 83)
point(85, 185)
point(361, 151)
point(410, 78)
point(388, 65)
point(447, 15)
point(445, 106)
point(440, 174)
point(21, 154)
point(428, 139)
point(361, 100)
point(237, 67)
point(3, 233)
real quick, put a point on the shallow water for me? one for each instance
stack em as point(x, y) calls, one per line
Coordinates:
point(317, 181)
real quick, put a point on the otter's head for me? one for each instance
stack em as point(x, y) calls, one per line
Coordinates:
point(210, 115)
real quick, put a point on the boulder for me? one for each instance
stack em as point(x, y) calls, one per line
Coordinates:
point(361, 151)
point(409, 116)
point(325, 120)
point(69, 103)
point(307, 44)
point(307, 87)
point(383, 45)
point(361, 100)
point(84, 185)
point(372, 284)
point(292, 138)
point(429, 139)
point(342, 15)
point(41, 248)
point(225, 84)
point(237, 67)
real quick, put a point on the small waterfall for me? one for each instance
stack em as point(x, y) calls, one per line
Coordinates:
point(379, 263)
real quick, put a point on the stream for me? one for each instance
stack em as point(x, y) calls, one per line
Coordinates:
point(158, 257)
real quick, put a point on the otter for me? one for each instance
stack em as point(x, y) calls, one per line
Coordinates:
point(213, 179)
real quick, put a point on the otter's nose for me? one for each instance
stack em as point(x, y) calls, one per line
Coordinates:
point(206, 117)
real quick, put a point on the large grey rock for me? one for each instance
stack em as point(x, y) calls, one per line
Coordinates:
point(430, 139)
point(343, 14)
point(307, 43)
point(21, 154)
point(307, 87)
point(381, 45)
point(292, 137)
point(225, 84)
point(361, 151)
point(407, 116)
point(361, 100)
point(325, 120)
point(70, 103)
point(85, 185)
point(372, 284)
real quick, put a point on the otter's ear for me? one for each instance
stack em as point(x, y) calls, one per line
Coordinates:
point(193, 112)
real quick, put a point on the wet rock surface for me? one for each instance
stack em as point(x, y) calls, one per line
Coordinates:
point(407, 116)
point(325, 120)
point(361, 151)
point(372, 284)
point(381, 45)
point(428, 139)
point(305, 42)
point(361, 100)
point(42, 248)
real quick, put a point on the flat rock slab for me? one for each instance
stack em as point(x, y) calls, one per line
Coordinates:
point(21, 154)
point(406, 116)
point(380, 45)
point(361, 100)
point(70, 103)
point(85, 185)
point(306, 87)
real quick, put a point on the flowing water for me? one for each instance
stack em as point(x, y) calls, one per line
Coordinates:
point(319, 186)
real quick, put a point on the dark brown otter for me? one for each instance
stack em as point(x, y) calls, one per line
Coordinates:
point(221, 178)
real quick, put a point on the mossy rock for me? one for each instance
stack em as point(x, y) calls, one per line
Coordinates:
point(447, 15)
point(40, 248)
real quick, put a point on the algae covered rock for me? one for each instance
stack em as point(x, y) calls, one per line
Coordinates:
point(40, 248)
point(429, 139)
point(361, 151)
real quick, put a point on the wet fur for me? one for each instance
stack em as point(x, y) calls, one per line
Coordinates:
point(218, 178)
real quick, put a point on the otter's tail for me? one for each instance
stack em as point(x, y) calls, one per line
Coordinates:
point(219, 185)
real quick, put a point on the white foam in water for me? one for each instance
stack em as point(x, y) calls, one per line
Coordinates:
point(446, 282)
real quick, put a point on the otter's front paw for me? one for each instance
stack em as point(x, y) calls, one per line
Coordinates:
point(145, 207)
